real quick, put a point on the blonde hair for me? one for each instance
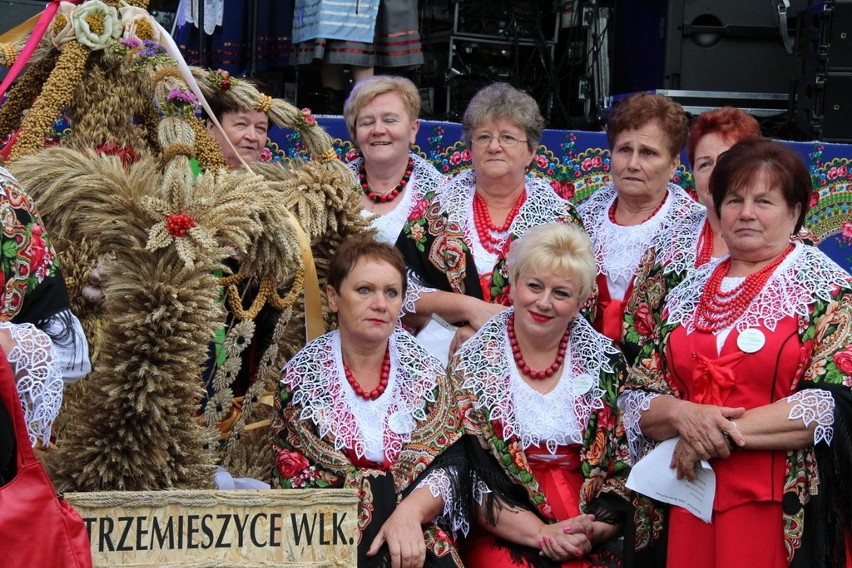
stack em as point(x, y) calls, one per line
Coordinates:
point(556, 248)
point(368, 89)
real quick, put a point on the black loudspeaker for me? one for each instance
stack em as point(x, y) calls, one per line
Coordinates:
point(728, 45)
point(823, 102)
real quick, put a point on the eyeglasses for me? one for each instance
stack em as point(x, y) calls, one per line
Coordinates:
point(504, 140)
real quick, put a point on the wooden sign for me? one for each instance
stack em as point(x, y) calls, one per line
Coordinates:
point(316, 527)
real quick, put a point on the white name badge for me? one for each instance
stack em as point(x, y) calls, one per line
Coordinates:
point(751, 340)
point(582, 384)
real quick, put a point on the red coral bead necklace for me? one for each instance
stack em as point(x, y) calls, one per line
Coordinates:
point(717, 309)
point(485, 227)
point(383, 379)
point(521, 362)
point(705, 245)
point(614, 207)
point(391, 195)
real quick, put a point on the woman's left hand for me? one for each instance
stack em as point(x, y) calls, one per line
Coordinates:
point(684, 459)
point(404, 536)
point(567, 540)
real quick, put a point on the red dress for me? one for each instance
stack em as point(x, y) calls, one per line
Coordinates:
point(749, 484)
point(560, 480)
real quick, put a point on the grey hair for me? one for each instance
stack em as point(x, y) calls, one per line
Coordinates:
point(501, 100)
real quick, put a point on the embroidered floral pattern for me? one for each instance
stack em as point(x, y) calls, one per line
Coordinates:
point(495, 407)
point(808, 286)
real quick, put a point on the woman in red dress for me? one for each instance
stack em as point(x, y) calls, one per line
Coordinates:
point(751, 367)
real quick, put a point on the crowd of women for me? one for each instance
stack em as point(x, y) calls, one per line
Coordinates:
point(563, 344)
point(502, 358)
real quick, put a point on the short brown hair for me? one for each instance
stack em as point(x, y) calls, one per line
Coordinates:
point(638, 110)
point(368, 89)
point(782, 166)
point(362, 246)
point(731, 123)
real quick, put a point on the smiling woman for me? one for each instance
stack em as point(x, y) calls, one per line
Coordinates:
point(382, 118)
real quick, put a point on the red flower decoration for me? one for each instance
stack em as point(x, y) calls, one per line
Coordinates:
point(643, 321)
point(179, 224)
point(843, 360)
point(291, 464)
point(111, 148)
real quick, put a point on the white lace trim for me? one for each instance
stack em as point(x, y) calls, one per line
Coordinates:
point(814, 406)
point(619, 249)
point(804, 276)
point(632, 404)
point(376, 428)
point(440, 486)
point(424, 178)
point(542, 205)
point(413, 292)
point(680, 249)
point(38, 377)
point(486, 364)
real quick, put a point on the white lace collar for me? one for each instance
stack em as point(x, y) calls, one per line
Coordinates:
point(680, 249)
point(619, 249)
point(488, 370)
point(806, 275)
point(542, 205)
point(380, 426)
point(424, 178)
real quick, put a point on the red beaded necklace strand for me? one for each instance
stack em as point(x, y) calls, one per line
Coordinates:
point(717, 309)
point(485, 227)
point(614, 207)
point(391, 195)
point(705, 245)
point(383, 380)
point(521, 362)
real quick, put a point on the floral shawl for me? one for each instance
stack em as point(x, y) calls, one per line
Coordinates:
point(661, 269)
point(314, 443)
point(31, 283)
point(818, 293)
point(480, 374)
point(436, 239)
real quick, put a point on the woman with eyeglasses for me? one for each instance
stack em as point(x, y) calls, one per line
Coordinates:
point(456, 242)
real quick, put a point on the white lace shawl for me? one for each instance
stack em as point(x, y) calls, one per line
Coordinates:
point(542, 205)
point(805, 275)
point(486, 367)
point(424, 178)
point(680, 249)
point(619, 249)
point(377, 428)
point(39, 378)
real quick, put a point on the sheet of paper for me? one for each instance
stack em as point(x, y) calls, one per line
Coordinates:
point(652, 476)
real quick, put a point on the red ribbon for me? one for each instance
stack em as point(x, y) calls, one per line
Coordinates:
point(33, 41)
point(714, 378)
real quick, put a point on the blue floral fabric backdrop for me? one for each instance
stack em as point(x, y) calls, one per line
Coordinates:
point(578, 162)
